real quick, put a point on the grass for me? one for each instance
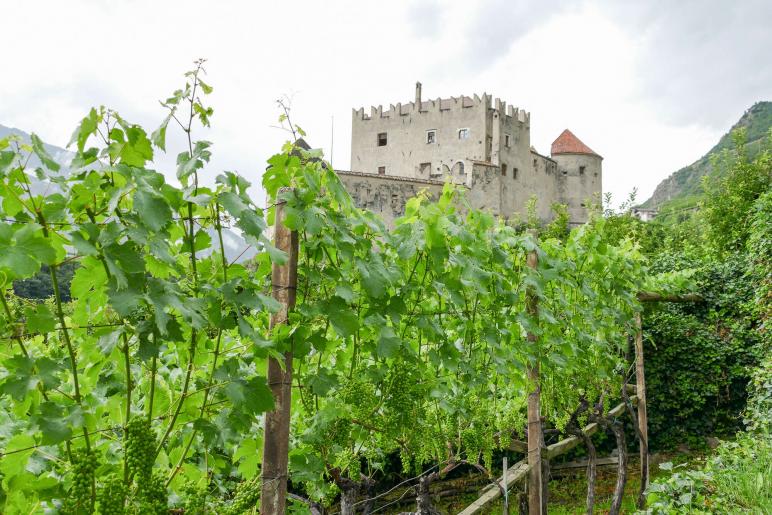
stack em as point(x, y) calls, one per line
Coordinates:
point(737, 479)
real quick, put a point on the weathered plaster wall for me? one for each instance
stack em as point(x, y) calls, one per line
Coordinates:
point(582, 188)
point(384, 195)
point(485, 187)
point(406, 127)
point(544, 183)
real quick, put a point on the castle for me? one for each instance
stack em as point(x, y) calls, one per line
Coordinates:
point(472, 141)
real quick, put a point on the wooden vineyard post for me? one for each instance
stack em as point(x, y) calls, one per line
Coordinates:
point(276, 437)
point(535, 436)
point(640, 381)
point(506, 486)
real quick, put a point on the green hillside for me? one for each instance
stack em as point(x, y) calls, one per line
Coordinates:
point(683, 187)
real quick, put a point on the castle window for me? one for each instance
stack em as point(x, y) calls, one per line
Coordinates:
point(424, 169)
point(535, 163)
point(581, 170)
point(431, 136)
point(503, 170)
point(463, 133)
point(514, 173)
point(381, 170)
point(381, 139)
point(507, 142)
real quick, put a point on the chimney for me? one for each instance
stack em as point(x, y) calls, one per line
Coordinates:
point(418, 94)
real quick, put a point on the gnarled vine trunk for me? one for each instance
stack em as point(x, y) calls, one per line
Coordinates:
point(643, 446)
point(591, 469)
point(573, 428)
point(368, 503)
point(424, 505)
point(619, 490)
point(349, 491)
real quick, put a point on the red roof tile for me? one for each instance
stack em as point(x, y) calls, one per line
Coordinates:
point(568, 143)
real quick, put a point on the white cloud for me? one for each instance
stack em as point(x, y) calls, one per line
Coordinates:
point(593, 67)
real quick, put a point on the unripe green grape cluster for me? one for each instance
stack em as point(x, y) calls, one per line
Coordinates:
point(140, 448)
point(338, 431)
point(360, 395)
point(152, 498)
point(247, 496)
point(111, 496)
point(84, 464)
point(349, 462)
point(195, 499)
point(404, 392)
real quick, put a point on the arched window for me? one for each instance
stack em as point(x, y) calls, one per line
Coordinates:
point(458, 168)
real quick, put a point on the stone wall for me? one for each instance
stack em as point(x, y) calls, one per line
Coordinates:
point(384, 195)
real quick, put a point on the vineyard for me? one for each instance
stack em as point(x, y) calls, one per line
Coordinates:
point(340, 361)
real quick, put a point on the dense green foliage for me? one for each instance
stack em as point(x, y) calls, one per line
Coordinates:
point(143, 388)
point(728, 344)
point(738, 477)
point(699, 355)
point(145, 391)
point(134, 388)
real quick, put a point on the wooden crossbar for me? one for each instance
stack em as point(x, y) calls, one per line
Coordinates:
point(519, 470)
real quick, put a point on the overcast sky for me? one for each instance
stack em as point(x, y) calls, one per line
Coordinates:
point(650, 86)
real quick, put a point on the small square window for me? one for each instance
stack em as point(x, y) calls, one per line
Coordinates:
point(381, 170)
point(581, 170)
point(463, 133)
point(507, 142)
point(431, 137)
point(381, 139)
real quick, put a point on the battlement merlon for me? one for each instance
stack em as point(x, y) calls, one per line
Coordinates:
point(442, 104)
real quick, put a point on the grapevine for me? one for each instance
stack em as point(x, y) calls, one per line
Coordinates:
point(409, 344)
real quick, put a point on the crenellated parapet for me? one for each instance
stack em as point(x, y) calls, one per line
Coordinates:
point(511, 113)
point(461, 102)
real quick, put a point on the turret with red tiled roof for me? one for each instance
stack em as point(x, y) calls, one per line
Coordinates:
point(568, 143)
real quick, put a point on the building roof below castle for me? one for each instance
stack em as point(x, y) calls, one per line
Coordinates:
point(568, 143)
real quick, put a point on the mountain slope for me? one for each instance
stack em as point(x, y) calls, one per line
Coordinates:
point(60, 155)
point(687, 182)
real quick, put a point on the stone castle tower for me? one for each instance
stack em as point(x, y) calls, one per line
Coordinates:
point(482, 144)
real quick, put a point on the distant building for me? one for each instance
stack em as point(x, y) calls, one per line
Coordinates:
point(476, 142)
point(643, 213)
